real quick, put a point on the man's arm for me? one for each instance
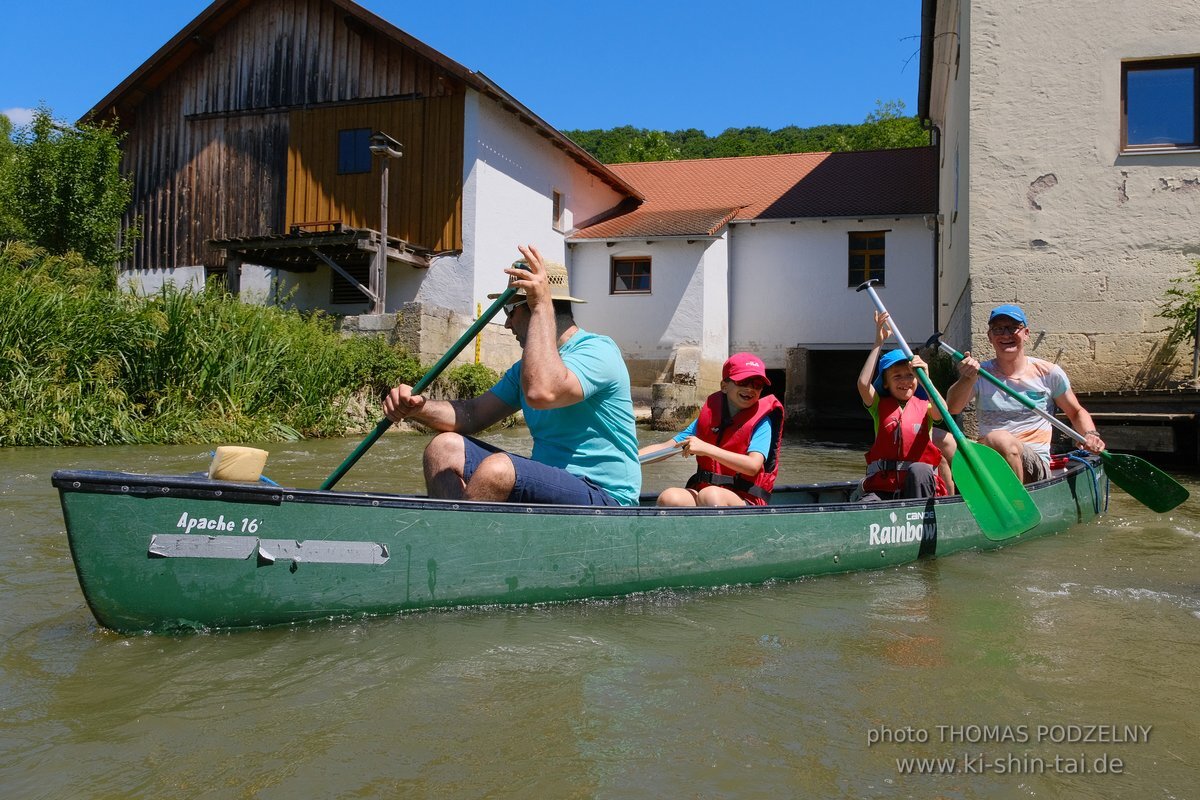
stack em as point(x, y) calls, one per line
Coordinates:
point(545, 379)
point(1081, 420)
point(460, 416)
point(960, 392)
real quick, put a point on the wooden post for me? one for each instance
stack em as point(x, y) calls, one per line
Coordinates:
point(233, 273)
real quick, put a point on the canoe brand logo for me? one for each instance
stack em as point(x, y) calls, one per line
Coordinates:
point(915, 525)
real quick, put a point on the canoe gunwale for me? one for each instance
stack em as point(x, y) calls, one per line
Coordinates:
point(203, 488)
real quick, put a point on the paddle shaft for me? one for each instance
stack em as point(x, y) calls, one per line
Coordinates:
point(1020, 398)
point(934, 397)
point(659, 455)
point(420, 386)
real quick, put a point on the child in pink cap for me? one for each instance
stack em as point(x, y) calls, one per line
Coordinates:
point(735, 440)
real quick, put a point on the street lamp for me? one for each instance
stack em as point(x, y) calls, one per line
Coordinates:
point(385, 148)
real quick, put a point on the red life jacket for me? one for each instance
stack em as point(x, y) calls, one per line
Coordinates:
point(902, 439)
point(715, 427)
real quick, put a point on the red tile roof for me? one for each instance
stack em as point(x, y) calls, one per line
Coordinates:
point(699, 197)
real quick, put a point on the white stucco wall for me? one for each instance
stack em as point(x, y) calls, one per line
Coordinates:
point(949, 108)
point(510, 176)
point(686, 304)
point(790, 285)
point(1085, 238)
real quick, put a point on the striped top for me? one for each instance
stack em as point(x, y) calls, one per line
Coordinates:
point(1041, 382)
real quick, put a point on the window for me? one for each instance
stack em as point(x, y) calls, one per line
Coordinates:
point(556, 213)
point(354, 151)
point(1160, 105)
point(631, 275)
point(343, 292)
point(866, 256)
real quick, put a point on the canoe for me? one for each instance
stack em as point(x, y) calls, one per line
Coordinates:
point(167, 553)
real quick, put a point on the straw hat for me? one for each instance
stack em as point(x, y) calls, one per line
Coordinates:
point(556, 276)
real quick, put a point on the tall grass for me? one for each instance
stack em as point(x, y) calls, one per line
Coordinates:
point(83, 364)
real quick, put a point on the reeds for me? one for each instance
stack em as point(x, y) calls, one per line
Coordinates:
point(81, 363)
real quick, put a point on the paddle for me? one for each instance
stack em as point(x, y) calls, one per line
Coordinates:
point(1145, 482)
point(992, 491)
point(654, 456)
point(422, 385)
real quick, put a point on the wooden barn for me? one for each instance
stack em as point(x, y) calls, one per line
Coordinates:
point(248, 136)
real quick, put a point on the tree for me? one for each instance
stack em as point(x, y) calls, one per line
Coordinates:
point(10, 226)
point(65, 189)
point(652, 146)
point(885, 127)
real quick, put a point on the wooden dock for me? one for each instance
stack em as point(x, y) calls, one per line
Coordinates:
point(1159, 425)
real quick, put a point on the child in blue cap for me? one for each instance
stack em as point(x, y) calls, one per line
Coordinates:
point(909, 458)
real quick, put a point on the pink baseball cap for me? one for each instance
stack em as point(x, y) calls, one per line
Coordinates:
point(740, 366)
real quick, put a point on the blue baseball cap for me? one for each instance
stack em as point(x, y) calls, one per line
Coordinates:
point(1008, 310)
point(889, 359)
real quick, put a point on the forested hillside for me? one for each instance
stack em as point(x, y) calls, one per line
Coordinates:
point(885, 127)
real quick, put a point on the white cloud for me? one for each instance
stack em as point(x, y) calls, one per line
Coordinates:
point(18, 116)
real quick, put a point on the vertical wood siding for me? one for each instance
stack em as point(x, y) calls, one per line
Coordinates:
point(241, 139)
point(424, 191)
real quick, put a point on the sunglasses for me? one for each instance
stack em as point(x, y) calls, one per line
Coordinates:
point(509, 308)
point(751, 383)
point(1004, 330)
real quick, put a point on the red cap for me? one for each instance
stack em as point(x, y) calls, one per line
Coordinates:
point(740, 366)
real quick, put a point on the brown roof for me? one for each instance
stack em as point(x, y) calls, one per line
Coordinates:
point(698, 198)
point(194, 39)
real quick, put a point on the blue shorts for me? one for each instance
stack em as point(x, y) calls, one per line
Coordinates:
point(537, 482)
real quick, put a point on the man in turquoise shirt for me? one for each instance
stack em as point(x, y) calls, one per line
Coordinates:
point(573, 388)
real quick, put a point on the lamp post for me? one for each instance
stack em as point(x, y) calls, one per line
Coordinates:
point(385, 148)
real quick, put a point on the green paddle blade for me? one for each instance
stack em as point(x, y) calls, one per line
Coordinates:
point(1145, 482)
point(993, 493)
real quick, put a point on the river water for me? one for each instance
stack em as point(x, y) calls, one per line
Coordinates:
point(1065, 667)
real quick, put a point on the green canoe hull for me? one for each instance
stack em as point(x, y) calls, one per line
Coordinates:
point(160, 554)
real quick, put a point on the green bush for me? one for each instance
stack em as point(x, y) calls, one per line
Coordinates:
point(469, 380)
point(81, 363)
point(1181, 305)
point(62, 189)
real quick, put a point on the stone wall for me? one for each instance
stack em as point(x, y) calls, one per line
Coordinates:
point(1084, 236)
point(428, 332)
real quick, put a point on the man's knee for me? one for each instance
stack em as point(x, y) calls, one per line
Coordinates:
point(445, 451)
point(1003, 442)
point(493, 479)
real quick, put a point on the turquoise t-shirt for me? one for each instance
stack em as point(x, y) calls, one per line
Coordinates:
point(595, 438)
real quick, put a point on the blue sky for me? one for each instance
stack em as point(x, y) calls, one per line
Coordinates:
point(662, 65)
